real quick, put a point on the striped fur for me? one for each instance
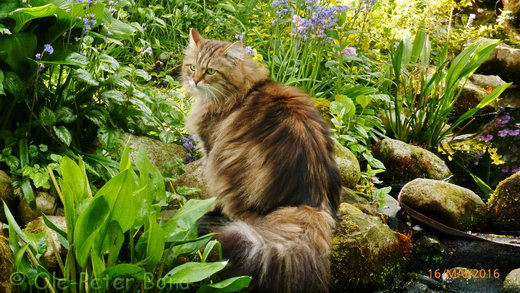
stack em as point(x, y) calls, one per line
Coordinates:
point(269, 163)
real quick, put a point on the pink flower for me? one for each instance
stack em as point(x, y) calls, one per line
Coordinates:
point(349, 51)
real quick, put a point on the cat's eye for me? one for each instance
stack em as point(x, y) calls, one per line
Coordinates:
point(210, 71)
point(193, 67)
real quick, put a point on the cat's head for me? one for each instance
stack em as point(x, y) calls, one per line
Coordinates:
point(218, 70)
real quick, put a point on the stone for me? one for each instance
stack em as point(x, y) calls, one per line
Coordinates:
point(467, 280)
point(195, 177)
point(45, 203)
point(470, 97)
point(512, 282)
point(505, 62)
point(405, 162)
point(348, 165)
point(350, 196)
point(6, 193)
point(486, 81)
point(159, 153)
point(54, 246)
point(452, 205)
point(6, 263)
point(366, 253)
point(504, 204)
point(323, 106)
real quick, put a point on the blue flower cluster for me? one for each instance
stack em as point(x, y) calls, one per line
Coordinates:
point(188, 143)
point(317, 21)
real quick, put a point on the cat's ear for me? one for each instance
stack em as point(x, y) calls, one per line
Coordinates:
point(235, 50)
point(195, 38)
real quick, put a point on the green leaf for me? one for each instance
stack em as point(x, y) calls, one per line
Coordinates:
point(89, 222)
point(123, 270)
point(66, 58)
point(116, 239)
point(24, 15)
point(167, 137)
point(66, 115)
point(114, 95)
point(193, 272)
point(13, 84)
point(97, 116)
point(2, 92)
point(229, 285)
point(63, 134)
point(183, 225)
point(85, 76)
point(18, 47)
point(154, 243)
point(47, 116)
point(109, 137)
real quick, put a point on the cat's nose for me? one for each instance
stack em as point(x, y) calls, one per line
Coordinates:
point(196, 80)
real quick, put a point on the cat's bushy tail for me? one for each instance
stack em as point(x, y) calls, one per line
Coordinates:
point(284, 251)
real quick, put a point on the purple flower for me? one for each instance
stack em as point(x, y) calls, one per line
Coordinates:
point(48, 48)
point(148, 51)
point(503, 132)
point(514, 132)
point(515, 170)
point(504, 170)
point(250, 50)
point(487, 137)
point(239, 37)
point(503, 120)
point(349, 51)
point(109, 33)
point(38, 56)
point(92, 22)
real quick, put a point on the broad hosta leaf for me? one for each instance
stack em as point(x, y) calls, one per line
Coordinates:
point(85, 76)
point(183, 225)
point(47, 116)
point(193, 272)
point(18, 47)
point(87, 227)
point(230, 285)
point(63, 134)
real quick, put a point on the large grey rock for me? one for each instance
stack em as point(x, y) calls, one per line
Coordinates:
point(366, 253)
point(348, 165)
point(45, 204)
point(486, 81)
point(54, 246)
point(158, 152)
point(505, 62)
point(470, 96)
point(447, 203)
point(194, 177)
point(504, 204)
point(512, 282)
point(405, 162)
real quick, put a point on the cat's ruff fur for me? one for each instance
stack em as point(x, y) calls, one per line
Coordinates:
point(270, 164)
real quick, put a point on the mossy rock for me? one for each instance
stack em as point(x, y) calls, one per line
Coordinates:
point(504, 204)
point(323, 106)
point(512, 282)
point(6, 193)
point(348, 165)
point(159, 153)
point(366, 253)
point(452, 205)
point(194, 177)
point(6, 264)
point(405, 162)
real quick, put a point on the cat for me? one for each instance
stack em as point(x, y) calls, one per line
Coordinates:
point(270, 163)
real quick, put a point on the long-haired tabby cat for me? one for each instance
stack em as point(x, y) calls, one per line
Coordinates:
point(269, 162)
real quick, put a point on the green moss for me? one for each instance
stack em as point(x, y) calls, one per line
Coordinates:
point(366, 253)
point(504, 204)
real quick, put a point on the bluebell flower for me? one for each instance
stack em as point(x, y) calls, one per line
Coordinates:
point(148, 51)
point(239, 37)
point(48, 48)
point(250, 50)
point(38, 56)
